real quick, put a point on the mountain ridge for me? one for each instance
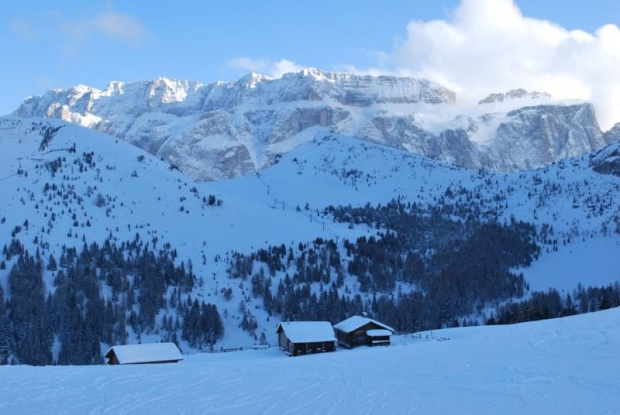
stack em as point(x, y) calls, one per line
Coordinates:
point(225, 130)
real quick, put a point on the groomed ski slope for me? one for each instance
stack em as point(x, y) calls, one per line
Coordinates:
point(562, 366)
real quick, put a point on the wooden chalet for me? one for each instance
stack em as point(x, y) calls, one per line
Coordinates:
point(306, 337)
point(362, 331)
point(132, 354)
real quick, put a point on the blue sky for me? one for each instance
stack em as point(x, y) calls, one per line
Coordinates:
point(58, 44)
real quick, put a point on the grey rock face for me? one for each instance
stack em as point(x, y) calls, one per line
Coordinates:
point(613, 135)
point(224, 130)
point(289, 123)
point(526, 139)
point(537, 136)
point(607, 161)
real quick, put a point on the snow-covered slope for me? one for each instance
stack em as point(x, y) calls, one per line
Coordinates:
point(141, 195)
point(225, 130)
point(281, 205)
point(567, 366)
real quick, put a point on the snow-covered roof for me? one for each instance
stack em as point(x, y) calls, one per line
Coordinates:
point(378, 333)
point(355, 322)
point(308, 331)
point(146, 353)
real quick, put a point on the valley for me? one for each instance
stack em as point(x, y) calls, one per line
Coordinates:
point(82, 187)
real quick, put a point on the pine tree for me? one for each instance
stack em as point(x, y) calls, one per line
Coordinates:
point(5, 332)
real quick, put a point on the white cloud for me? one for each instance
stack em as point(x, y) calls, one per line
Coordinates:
point(73, 36)
point(22, 29)
point(489, 46)
point(243, 63)
point(120, 26)
point(274, 69)
point(279, 68)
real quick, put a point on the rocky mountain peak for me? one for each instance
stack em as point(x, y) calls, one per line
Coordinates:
point(252, 79)
point(316, 74)
point(514, 94)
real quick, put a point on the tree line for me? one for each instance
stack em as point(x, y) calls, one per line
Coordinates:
point(449, 268)
point(100, 294)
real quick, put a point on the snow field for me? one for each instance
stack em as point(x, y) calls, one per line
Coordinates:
point(567, 366)
point(596, 261)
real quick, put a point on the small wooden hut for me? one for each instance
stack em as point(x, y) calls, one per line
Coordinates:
point(362, 331)
point(132, 354)
point(306, 337)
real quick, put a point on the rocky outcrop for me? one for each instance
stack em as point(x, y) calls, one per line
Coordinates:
point(524, 139)
point(607, 161)
point(513, 94)
point(536, 136)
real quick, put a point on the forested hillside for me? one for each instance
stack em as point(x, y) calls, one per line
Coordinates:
point(104, 244)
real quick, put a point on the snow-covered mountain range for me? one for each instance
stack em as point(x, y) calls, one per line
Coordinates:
point(225, 130)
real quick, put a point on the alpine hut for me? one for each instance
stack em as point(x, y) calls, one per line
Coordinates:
point(132, 354)
point(359, 331)
point(305, 337)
